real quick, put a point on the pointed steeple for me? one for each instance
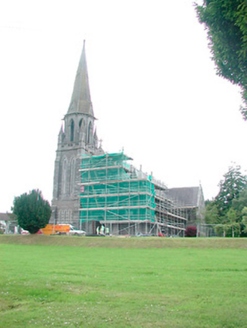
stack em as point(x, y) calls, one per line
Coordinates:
point(81, 99)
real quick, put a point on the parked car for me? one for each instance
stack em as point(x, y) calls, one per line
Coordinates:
point(75, 232)
point(24, 232)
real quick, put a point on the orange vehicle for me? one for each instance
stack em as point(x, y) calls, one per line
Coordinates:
point(61, 229)
point(52, 229)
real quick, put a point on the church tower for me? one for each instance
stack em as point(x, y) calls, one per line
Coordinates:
point(76, 137)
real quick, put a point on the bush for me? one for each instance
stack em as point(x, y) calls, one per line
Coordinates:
point(32, 210)
point(190, 232)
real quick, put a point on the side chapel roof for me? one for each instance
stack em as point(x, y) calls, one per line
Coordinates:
point(187, 196)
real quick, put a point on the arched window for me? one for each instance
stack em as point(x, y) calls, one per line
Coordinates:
point(72, 176)
point(71, 130)
point(81, 123)
point(89, 132)
point(64, 176)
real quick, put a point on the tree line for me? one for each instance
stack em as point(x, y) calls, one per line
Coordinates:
point(228, 210)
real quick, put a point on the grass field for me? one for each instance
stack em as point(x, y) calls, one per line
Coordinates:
point(114, 282)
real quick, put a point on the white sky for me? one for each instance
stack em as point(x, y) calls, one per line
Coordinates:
point(153, 88)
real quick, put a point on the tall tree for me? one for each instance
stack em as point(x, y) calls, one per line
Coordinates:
point(244, 219)
point(32, 211)
point(226, 23)
point(211, 213)
point(230, 188)
point(233, 224)
point(239, 203)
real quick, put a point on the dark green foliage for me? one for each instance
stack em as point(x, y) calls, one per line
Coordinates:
point(230, 188)
point(228, 230)
point(211, 213)
point(233, 224)
point(228, 209)
point(226, 23)
point(239, 203)
point(32, 211)
point(220, 230)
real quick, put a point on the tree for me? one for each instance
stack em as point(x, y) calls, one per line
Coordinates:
point(228, 210)
point(230, 188)
point(233, 224)
point(211, 213)
point(244, 219)
point(32, 211)
point(220, 230)
point(226, 24)
point(239, 203)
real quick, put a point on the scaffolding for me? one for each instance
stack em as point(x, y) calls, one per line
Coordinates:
point(128, 201)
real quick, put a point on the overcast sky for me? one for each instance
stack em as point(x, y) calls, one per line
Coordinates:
point(153, 86)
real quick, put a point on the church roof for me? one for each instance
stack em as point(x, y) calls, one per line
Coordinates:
point(81, 99)
point(187, 196)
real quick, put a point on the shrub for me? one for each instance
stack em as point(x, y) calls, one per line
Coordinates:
point(32, 210)
point(190, 232)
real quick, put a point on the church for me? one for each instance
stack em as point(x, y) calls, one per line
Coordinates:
point(93, 188)
point(76, 137)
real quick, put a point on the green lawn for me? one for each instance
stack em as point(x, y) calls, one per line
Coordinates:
point(121, 286)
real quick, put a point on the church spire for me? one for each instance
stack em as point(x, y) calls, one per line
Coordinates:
point(81, 99)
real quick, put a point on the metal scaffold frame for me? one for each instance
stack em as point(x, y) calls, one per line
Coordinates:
point(125, 200)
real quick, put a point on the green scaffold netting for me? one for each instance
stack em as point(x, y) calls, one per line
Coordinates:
point(111, 191)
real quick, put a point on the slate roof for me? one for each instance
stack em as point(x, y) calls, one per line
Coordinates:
point(187, 196)
point(5, 217)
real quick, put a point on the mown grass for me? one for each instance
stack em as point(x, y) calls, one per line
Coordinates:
point(121, 286)
point(116, 242)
